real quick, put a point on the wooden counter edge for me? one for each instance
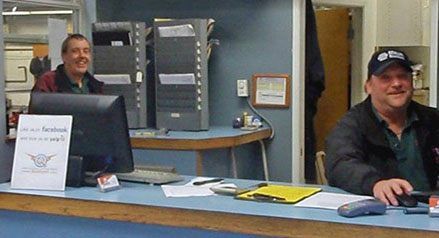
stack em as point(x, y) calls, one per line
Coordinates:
point(208, 220)
point(198, 144)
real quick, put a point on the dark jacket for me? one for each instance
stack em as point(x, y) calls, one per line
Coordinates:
point(314, 70)
point(39, 66)
point(57, 81)
point(358, 154)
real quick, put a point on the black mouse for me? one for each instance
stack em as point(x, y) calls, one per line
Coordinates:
point(405, 200)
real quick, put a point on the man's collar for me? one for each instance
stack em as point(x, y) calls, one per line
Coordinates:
point(411, 114)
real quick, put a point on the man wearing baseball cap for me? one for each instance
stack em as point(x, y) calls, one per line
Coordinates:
point(386, 145)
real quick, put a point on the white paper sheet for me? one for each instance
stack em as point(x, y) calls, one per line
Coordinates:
point(186, 191)
point(190, 190)
point(113, 78)
point(184, 30)
point(327, 200)
point(182, 79)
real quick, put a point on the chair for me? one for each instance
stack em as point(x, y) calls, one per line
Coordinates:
point(320, 168)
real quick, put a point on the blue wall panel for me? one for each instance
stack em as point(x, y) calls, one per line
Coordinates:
point(255, 37)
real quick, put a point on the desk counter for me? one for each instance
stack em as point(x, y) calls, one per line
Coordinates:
point(147, 204)
point(217, 137)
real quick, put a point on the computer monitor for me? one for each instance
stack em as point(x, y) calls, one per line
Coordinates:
point(99, 132)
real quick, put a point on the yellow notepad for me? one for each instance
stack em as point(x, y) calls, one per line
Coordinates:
point(278, 193)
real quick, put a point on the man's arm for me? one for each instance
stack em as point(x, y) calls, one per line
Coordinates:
point(45, 83)
point(345, 163)
point(385, 190)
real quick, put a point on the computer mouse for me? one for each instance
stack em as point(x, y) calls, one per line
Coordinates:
point(405, 200)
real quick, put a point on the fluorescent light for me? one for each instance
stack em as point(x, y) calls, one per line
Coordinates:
point(16, 13)
point(26, 13)
point(59, 12)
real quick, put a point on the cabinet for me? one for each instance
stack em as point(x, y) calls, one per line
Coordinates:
point(405, 25)
point(403, 22)
point(421, 96)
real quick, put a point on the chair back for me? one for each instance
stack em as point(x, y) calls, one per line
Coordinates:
point(320, 168)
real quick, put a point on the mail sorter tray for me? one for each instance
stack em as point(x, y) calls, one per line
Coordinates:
point(278, 193)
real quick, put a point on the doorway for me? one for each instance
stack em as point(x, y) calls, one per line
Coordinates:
point(333, 30)
point(26, 27)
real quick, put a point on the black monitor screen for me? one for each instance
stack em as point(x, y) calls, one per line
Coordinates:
point(99, 132)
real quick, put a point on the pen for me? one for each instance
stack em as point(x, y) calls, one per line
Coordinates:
point(265, 197)
point(215, 180)
point(416, 210)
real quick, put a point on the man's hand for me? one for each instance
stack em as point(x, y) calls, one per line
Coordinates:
point(385, 190)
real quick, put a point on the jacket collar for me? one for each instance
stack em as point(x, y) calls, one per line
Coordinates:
point(373, 127)
point(373, 131)
point(62, 81)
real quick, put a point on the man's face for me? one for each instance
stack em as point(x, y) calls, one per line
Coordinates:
point(391, 90)
point(77, 57)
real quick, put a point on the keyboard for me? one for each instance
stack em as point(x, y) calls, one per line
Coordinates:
point(150, 176)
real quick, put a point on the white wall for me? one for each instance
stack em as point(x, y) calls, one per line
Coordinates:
point(369, 41)
point(34, 24)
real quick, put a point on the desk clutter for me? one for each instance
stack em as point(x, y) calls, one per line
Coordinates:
point(343, 204)
point(151, 176)
point(144, 133)
point(196, 187)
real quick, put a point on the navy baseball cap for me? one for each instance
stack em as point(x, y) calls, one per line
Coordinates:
point(382, 59)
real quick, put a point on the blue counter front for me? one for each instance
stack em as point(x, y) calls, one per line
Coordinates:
point(144, 207)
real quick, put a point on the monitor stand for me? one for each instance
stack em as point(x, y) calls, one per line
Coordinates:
point(90, 181)
point(75, 171)
point(76, 174)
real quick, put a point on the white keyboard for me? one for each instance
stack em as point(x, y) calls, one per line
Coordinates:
point(149, 176)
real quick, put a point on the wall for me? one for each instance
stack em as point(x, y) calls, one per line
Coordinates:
point(255, 36)
point(34, 24)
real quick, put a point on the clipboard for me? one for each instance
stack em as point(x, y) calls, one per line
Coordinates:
point(278, 193)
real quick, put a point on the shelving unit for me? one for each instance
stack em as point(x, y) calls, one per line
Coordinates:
point(405, 25)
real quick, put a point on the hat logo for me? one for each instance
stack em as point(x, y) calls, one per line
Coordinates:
point(396, 54)
point(391, 54)
point(383, 56)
